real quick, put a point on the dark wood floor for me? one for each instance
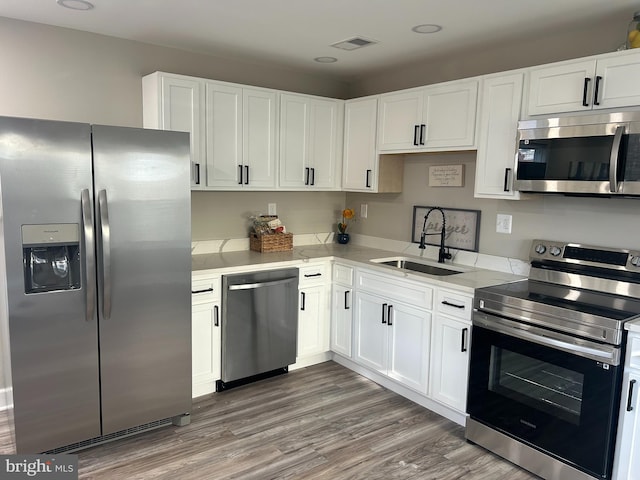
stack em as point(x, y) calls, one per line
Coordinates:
point(321, 422)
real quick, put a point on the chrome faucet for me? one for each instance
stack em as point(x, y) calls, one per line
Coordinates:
point(442, 255)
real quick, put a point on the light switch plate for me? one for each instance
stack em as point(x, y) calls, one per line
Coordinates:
point(503, 223)
point(272, 209)
point(364, 210)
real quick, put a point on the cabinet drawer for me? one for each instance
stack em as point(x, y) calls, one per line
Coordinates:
point(454, 304)
point(407, 291)
point(315, 274)
point(343, 274)
point(205, 290)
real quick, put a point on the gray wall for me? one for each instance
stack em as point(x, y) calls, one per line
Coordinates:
point(597, 221)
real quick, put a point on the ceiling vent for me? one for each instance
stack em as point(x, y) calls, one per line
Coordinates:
point(353, 43)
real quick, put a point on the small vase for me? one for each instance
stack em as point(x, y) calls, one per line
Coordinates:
point(343, 238)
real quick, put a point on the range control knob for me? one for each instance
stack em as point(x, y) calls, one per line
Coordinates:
point(555, 251)
point(540, 249)
point(635, 261)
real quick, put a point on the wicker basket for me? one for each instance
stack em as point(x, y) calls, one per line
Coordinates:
point(276, 242)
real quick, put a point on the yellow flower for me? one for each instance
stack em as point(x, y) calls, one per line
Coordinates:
point(347, 214)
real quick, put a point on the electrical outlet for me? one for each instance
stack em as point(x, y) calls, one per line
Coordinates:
point(363, 210)
point(503, 223)
point(272, 209)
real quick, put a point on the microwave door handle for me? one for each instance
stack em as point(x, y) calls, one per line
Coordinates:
point(613, 161)
point(90, 259)
point(105, 250)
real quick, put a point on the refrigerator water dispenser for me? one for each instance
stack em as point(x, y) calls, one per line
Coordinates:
point(51, 257)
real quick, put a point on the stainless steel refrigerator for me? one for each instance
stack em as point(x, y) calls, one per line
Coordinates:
point(95, 253)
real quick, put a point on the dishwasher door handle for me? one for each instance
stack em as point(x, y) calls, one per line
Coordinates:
point(251, 286)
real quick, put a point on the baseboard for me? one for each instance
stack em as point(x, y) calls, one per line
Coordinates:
point(440, 409)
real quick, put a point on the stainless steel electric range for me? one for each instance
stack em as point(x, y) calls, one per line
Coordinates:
point(546, 360)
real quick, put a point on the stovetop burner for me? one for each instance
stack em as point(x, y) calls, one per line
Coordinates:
point(584, 291)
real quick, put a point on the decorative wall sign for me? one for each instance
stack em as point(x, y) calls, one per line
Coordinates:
point(446, 176)
point(462, 227)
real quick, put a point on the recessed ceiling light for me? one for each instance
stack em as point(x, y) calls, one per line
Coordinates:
point(427, 28)
point(75, 4)
point(325, 59)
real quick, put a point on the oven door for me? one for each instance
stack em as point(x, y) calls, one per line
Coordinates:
point(544, 395)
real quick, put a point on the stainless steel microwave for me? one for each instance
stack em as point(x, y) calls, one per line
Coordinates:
point(585, 155)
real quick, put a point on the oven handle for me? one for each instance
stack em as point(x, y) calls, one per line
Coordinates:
point(608, 354)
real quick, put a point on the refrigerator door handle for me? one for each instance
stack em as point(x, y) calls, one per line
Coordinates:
point(90, 259)
point(105, 252)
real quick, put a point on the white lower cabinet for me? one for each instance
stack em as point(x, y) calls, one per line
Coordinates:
point(313, 311)
point(342, 309)
point(341, 320)
point(393, 339)
point(313, 335)
point(450, 361)
point(626, 464)
point(450, 348)
point(205, 336)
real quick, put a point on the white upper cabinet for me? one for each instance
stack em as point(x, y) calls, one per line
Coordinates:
point(500, 101)
point(310, 142)
point(436, 118)
point(363, 169)
point(241, 137)
point(608, 81)
point(360, 159)
point(176, 102)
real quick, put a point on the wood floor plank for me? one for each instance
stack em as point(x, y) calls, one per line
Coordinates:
point(323, 422)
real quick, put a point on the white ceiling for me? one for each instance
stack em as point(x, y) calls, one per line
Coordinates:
point(293, 32)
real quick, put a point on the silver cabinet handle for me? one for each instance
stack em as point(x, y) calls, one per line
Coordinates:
point(89, 254)
point(251, 286)
point(105, 253)
point(613, 160)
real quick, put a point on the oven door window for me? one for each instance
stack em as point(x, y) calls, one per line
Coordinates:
point(537, 384)
point(555, 401)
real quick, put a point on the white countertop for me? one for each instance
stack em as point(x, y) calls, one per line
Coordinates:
point(469, 280)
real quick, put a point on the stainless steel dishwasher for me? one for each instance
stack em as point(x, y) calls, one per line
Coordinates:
point(259, 325)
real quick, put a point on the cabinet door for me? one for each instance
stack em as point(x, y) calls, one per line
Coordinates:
point(323, 144)
point(206, 347)
point(313, 335)
point(561, 88)
point(341, 320)
point(360, 160)
point(294, 136)
point(450, 361)
point(497, 141)
point(626, 464)
point(620, 81)
point(371, 334)
point(177, 103)
point(258, 138)
point(409, 345)
point(449, 115)
point(224, 135)
point(400, 116)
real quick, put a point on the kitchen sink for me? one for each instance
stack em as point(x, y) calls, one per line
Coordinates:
point(408, 264)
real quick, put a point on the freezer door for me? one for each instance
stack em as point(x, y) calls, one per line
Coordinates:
point(143, 226)
point(45, 185)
